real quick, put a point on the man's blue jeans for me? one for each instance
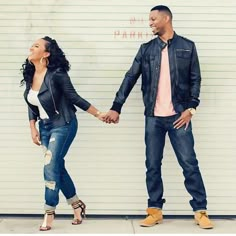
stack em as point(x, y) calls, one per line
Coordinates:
point(183, 144)
point(56, 142)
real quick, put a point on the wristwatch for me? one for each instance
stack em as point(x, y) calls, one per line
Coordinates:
point(192, 111)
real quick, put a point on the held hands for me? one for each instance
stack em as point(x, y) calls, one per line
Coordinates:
point(184, 119)
point(112, 117)
point(101, 116)
point(109, 117)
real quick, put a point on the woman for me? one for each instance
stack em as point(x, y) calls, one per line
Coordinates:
point(51, 97)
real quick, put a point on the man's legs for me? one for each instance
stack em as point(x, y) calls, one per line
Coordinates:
point(155, 141)
point(183, 144)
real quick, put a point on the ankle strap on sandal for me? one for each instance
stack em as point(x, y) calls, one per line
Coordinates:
point(78, 204)
point(50, 212)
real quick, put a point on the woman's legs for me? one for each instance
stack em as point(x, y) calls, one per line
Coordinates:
point(55, 175)
point(56, 142)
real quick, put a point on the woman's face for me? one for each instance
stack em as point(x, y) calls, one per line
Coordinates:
point(38, 50)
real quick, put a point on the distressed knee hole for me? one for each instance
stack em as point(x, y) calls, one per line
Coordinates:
point(48, 157)
point(52, 139)
point(50, 184)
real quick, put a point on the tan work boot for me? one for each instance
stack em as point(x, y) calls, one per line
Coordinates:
point(202, 219)
point(154, 217)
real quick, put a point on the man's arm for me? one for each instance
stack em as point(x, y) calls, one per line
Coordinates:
point(195, 80)
point(195, 84)
point(126, 86)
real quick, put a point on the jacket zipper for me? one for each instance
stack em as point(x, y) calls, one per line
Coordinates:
point(53, 97)
point(176, 71)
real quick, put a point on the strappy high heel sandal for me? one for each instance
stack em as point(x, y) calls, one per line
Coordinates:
point(82, 206)
point(47, 225)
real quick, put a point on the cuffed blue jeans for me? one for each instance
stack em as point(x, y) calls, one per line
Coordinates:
point(182, 142)
point(56, 142)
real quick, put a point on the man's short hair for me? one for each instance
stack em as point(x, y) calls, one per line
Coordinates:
point(164, 9)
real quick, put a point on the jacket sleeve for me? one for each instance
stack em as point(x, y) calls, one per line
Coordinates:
point(195, 80)
point(64, 82)
point(128, 82)
point(32, 115)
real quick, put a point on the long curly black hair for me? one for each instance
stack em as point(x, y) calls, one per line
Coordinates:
point(57, 59)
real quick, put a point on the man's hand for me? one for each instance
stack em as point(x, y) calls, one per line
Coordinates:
point(184, 119)
point(112, 117)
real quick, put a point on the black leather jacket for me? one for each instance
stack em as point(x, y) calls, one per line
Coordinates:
point(184, 72)
point(58, 97)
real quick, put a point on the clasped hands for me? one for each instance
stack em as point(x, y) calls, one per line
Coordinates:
point(109, 117)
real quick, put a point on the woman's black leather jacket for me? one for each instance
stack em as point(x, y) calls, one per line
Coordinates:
point(57, 96)
point(184, 72)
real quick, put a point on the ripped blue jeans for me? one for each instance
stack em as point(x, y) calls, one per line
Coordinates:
point(56, 142)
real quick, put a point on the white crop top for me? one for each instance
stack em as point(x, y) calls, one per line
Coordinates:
point(33, 99)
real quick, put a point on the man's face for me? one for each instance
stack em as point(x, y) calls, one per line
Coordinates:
point(157, 21)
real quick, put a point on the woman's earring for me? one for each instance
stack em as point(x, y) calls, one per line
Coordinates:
point(47, 61)
point(44, 58)
point(41, 60)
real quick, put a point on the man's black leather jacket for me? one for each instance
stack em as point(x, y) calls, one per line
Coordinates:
point(184, 72)
point(57, 96)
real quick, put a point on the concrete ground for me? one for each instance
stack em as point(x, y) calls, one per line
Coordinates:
point(109, 225)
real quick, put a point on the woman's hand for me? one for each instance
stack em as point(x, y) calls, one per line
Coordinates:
point(101, 116)
point(35, 136)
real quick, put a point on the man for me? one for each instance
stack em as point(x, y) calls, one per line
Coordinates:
point(171, 82)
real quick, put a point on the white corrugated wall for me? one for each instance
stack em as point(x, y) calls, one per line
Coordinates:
point(101, 38)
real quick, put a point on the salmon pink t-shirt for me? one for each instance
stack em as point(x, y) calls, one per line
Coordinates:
point(164, 105)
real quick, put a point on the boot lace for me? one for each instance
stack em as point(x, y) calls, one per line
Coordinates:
point(203, 214)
